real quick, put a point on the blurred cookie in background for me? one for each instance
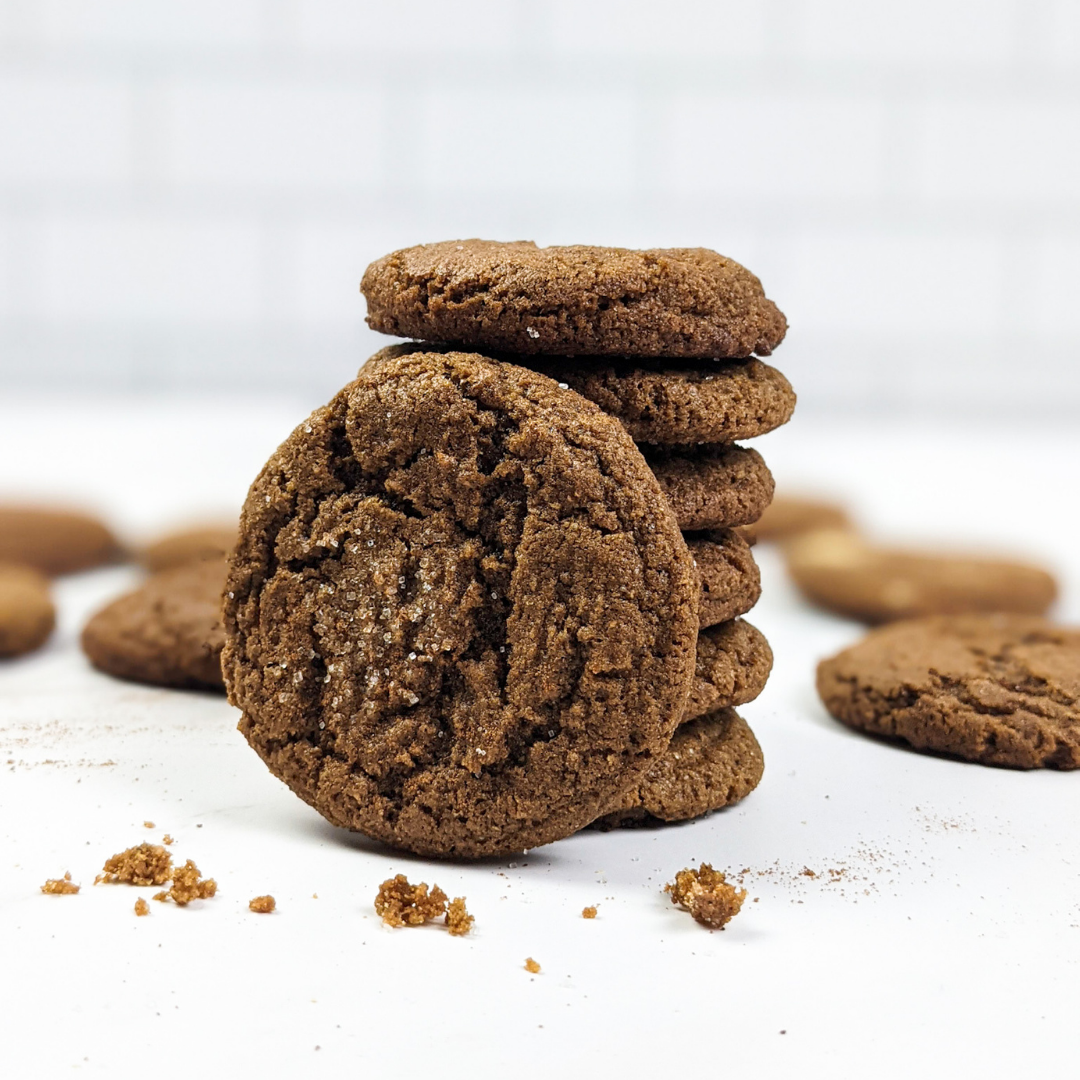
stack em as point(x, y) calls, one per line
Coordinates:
point(168, 632)
point(55, 540)
point(199, 543)
point(27, 614)
point(994, 689)
point(792, 515)
point(843, 573)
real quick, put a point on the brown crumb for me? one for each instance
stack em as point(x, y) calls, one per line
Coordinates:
point(807, 872)
point(402, 904)
point(148, 825)
point(145, 864)
point(142, 907)
point(532, 966)
point(162, 896)
point(167, 839)
point(187, 885)
point(262, 905)
point(60, 886)
point(589, 912)
point(458, 920)
point(706, 894)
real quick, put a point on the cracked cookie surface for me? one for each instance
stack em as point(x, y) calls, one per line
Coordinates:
point(572, 301)
point(994, 689)
point(460, 617)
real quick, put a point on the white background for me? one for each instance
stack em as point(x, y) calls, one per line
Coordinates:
point(189, 192)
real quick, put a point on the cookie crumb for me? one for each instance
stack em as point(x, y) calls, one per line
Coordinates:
point(60, 886)
point(144, 864)
point(706, 894)
point(589, 912)
point(807, 872)
point(167, 839)
point(148, 825)
point(262, 905)
point(458, 920)
point(531, 966)
point(142, 907)
point(402, 904)
point(160, 896)
point(187, 885)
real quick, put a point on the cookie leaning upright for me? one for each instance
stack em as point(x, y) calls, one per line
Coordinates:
point(572, 301)
point(460, 617)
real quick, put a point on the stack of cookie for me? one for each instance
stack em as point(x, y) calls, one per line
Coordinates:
point(664, 342)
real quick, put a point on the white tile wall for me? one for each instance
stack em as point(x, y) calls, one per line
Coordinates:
point(189, 192)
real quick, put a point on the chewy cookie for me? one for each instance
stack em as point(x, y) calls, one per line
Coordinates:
point(792, 515)
point(730, 579)
point(189, 545)
point(572, 301)
point(27, 615)
point(732, 667)
point(841, 572)
point(709, 402)
point(712, 762)
point(167, 632)
point(995, 689)
point(712, 487)
point(55, 541)
point(461, 617)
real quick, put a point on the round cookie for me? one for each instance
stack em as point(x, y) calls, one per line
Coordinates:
point(213, 541)
point(712, 487)
point(168, 632)
point(994, 689)
point(707, 402)
point(840, 572)
point(732, 667)
point(730, 579)
point(27, 615)
point(461, 617)
point(711, 762)
point(572, 301)
point(54, 540)
point(788, 516)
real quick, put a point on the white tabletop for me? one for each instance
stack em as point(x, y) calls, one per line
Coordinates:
point(939, 933)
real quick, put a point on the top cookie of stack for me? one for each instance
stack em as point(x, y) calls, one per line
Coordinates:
point(664, 340)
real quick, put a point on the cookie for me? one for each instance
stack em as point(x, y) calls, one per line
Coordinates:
point(212, 541)
point(729, 577)
point(711, 762)
point(461, 617)
point(840, 572)
point(27, 615)
point(732, 667)
point(994, 689)
point(712, 487)
point(572, 301)
point(792, 515)
point(55, 541)
point(167, 632)
point(705, 402)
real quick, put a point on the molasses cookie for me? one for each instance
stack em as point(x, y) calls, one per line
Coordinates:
point(733, 665)
point(712, 487)
point(994, 689)
point(711, 762)
point(27, 615)
point(661, 402)
point(212, 541)
point(793, 515)
point(730, 579)
point(840, 572)
point(460, 617)
point(572, 301)
point(54, 540)
point(167, 632)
